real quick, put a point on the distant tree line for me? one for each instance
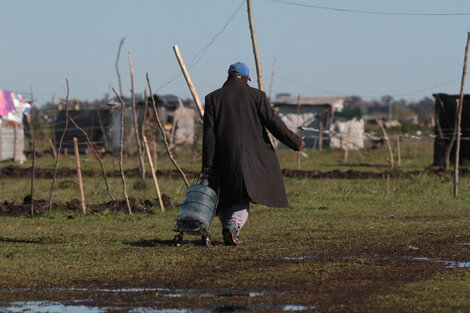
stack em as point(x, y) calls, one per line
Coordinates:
point(390, 108)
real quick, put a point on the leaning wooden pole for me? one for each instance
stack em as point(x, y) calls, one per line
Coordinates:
point(32, 178)
point(124, 187)
point(254, 41)
point(154, 176)
point(60, 145)
point(389, 147)
point(459, 120)
point(134, 116)
point(165, 141)
point(200, 109)
point(108, 189)
point(79, 175)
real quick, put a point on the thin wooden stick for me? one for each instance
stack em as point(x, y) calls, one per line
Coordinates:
point(320, 137)
point(199, 107)
point(32, 179)
point(459, 120)
point(100, 122)
point(154, 176)
point(134, 115)
point(390, 152)
point(108, 189)
point(165, 141)
point(398, 152)
point(124, 187)
point(298, 131)
point(54, 152)
point(346, 148)
point(60, 145)
point(146, 106)
point(15, 143)
point(79, 174)
point(117, 64)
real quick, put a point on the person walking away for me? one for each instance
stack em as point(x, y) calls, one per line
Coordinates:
point(238, 153)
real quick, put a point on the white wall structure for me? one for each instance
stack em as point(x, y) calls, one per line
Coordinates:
point(347, 134)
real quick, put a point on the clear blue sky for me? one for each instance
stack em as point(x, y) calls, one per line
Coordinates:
point(319, 52)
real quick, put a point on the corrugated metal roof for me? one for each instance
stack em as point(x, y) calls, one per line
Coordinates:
point(289, 100)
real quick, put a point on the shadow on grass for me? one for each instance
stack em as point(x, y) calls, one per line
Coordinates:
point(146, 243)
point(12, 240)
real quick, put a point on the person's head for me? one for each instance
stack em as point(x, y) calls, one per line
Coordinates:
point(239, 70)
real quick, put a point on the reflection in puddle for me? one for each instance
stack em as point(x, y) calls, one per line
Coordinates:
point(464, 243)
point(83, 304)
point(46, 306)
point(292, 307)
point(445, 263)
point(56, 307)
point(300, 258)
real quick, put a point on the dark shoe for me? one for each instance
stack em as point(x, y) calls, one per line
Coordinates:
point(230, 237)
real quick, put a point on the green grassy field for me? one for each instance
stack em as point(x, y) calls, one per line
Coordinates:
point(357, 245)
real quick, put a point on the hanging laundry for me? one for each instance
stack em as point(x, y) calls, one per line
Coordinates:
point(3, 104)
point(9, 100)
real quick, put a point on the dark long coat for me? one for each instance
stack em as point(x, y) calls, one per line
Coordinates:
point(236, 144)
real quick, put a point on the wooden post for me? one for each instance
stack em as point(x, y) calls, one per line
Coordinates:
point(54, 152)
point(79, 174)
point(124, 187)
point(320, 136)
point(165, 141)
point(32, 178)
point(398, 152)
point(390, 152)
point(458, 122)
point(154, 176)
point(200, 109)
point(15, 143)
point(134, 115)
point(254, 41)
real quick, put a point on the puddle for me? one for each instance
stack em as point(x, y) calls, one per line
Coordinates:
point(445, 263)
point(300, 258)
point(46, 307)
point(464, 243)
point(292, 307)
point(57, 307)
point(138, 304)
point(164, 292)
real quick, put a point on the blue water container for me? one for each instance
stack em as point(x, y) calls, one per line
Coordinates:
point(198, 209)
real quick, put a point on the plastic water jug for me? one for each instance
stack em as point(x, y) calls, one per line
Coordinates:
point(198, 208)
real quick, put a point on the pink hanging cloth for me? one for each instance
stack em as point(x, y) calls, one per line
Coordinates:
point(3, 104)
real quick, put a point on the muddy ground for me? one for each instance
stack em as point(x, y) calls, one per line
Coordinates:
point(40, 207)
point(20, 172)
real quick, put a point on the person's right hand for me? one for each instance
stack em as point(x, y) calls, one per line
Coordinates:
point(206, 170)
point(302, 145)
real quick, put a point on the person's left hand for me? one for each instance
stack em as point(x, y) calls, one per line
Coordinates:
point(302, 145)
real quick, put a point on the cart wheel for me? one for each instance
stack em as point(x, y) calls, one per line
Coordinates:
point(178, 240)
point(206, 239)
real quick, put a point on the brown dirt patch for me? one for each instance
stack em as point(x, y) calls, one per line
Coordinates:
point(40, 207)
